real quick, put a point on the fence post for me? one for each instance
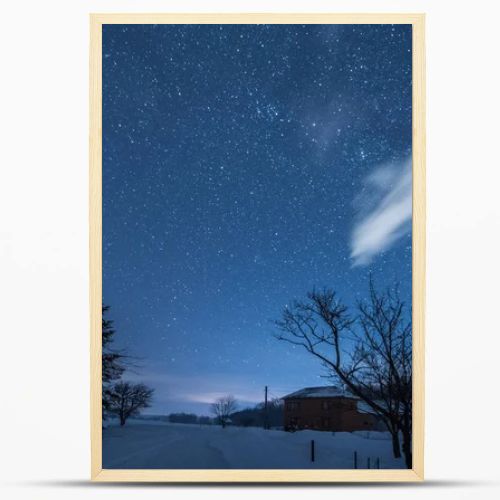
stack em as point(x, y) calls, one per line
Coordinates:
point(368, 463)
point(378, 463)
point(355, 459)
point(312, 450)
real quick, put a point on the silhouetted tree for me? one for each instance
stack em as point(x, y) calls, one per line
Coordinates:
point(384, 354)
point(112, 362)
point(222, 409)
point(369, 354)
point(129, 399)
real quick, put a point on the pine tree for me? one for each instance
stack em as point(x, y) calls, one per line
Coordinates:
point(112, 363)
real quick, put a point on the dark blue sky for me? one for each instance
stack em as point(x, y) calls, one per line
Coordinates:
point(242, 166)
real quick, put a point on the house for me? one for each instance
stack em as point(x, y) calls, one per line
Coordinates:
point(325, 409)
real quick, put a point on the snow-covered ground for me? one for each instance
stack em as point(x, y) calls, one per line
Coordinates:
point(162, 445)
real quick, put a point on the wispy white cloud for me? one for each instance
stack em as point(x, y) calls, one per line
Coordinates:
point(384, 208)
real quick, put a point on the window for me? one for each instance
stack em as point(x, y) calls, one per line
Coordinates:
point(292, 405)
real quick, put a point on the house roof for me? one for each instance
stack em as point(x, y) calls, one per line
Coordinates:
point(320, 392)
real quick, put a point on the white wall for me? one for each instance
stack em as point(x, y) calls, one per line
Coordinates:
point(44, 422)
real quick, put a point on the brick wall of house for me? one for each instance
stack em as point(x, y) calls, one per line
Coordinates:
point(326, 414)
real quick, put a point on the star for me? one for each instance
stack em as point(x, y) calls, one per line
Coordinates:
point(236, 163)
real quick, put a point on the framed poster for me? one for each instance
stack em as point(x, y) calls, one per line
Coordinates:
point(257, 247)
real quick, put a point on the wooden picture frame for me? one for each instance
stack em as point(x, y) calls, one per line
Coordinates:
point(418, 257)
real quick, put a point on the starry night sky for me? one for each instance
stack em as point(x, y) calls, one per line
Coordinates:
point(244, 165)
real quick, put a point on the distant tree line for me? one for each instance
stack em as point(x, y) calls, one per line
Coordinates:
point(189, 418)
point(260, 416)
point(120, 398)
point(225, 413)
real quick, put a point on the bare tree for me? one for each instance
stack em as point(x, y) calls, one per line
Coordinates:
point(385, 352)
point(129, 399)
point(369, 354)
point(222, 409)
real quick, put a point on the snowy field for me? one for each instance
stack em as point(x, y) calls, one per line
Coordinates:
point(162, 445)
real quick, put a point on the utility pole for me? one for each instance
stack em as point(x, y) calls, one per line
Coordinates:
point(265, 409)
